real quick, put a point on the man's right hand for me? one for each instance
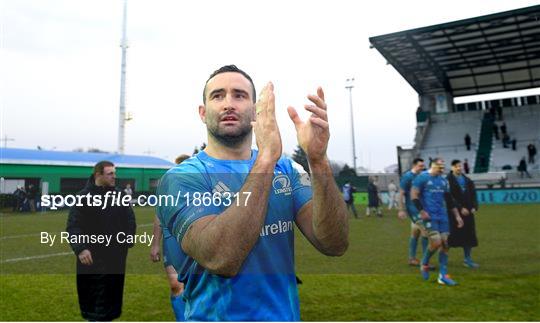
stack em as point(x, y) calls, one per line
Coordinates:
point(85, 257)
point(424, 215)
point(265, 127)
point(402, 214)
point(154, 253)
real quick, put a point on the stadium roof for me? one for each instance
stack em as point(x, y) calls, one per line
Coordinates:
point(64, 158)
point(492, 53)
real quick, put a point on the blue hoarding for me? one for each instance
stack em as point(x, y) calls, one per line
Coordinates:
point(508, 196)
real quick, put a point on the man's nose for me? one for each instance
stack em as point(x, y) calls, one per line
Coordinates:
point(229, 102)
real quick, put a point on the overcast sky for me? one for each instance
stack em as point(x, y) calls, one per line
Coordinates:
point(60, 68)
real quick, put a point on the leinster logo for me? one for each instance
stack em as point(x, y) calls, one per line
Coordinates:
point(282, 185)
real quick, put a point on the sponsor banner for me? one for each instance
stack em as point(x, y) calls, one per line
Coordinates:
point(509, 196)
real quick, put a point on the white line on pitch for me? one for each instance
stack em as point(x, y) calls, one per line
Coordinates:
point(36, 257)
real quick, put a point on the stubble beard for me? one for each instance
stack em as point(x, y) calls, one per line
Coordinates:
point(229, 139)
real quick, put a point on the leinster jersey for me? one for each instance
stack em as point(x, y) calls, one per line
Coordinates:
point(405, 184)
point(432, 190)
point(265, 287)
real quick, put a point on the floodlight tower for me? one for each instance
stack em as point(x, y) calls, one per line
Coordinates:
point(349, 86)
point(122, 117)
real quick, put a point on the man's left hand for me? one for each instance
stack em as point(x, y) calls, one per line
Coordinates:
point(314, 133)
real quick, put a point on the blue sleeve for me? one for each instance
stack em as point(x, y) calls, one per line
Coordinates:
point(182, 183)
point(419, 182)
point(301, 185)
point(404, 181)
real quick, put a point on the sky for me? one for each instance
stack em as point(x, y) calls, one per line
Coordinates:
point(60, 69)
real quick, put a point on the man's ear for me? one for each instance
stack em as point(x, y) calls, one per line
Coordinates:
point(202, 113)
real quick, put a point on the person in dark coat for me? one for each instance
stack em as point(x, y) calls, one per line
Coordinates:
point(466, 167)
point(100, 267)
point(19, 196)
point(373, 198)
point(522, 168)
point(463, 192)
point(531, 151)
point(468, 141)
point(496, 131)
point(503, 128)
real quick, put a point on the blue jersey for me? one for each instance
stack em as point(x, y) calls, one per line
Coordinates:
point(432, 190)
point(265, 288)
point(405, 184)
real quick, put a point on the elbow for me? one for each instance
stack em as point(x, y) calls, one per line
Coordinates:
point(226, 269)
point(337, 250)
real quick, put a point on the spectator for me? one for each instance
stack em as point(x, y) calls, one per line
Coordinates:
point(503, 128)
point(19, 195)
point(392, 192)
point(348, 196)
point(522, 168)
point(468, 141)
point(531, 150)
point(496, 131)
point(514, 143)
point(31, 196)
point(466, 166)
point(100, 266)
point(499, 112)
point(128, 190)
point(505, 140)
point(373, 197)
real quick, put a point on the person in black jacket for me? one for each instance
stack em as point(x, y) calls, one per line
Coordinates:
point(100, 265)
point(464, 193)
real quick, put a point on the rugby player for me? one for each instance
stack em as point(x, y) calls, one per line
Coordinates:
point(237, 206)
point(430, 195)
point(409, 210)
point(172, 256)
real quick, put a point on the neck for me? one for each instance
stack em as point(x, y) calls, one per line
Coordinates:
point(432, 172)
point(240, 151)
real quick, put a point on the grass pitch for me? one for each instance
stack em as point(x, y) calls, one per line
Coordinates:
point(371, 282)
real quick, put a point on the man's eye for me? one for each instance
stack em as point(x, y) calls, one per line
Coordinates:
point(240, 95)
point(217, 96)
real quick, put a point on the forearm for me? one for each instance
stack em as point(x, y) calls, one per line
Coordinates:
point(222, 243)
point(330, 221)
point(401, 198)
point(157, 232)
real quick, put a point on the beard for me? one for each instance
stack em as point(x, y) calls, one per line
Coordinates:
point(230, 137)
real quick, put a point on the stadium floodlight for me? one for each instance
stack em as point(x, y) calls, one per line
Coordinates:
point(349, 85)
point(122, 117)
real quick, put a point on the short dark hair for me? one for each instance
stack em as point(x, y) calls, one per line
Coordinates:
point(99, 167)
point(455, 162)
point(417, 160)
point(436, 160)
point(226, 69)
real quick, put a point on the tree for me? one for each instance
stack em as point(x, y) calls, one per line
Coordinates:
point(347, 171)
point(300, 157)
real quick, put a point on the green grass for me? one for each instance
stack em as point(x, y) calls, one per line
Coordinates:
point(371, 282)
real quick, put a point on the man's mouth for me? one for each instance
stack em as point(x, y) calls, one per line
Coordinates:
point(229, 118)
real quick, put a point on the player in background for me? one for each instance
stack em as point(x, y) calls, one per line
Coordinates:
point(171, 255)
point(406, 208)
point(430, 195)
